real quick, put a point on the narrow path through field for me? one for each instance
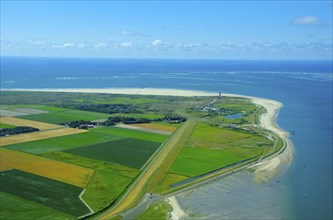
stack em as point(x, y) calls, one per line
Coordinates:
point(150, 177)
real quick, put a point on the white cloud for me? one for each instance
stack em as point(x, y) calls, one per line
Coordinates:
point(126, 44)
point(67, 45)
point(129, 33)
point(157, 43)
point(100, 45)
point(306, 20)
point(64, 45)
point(81, 45)
point(36, 43)
point(55, 46)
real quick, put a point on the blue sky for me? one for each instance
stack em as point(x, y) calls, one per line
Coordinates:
point(168, 29)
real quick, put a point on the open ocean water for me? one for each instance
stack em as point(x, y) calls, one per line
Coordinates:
point(304, 191)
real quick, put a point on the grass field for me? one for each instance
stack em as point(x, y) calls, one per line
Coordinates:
point(24, 122)
point(64, 172)
point(48, 192)
point(66, 116)
point(6, 126)
point(159, 210)
point(128, 151)
point(196, 161)
point(93, 164)
point(210, 148)
point(14, 208)
point(33, 136)
point(63, 142)
point(206, 133)
point(104, 188)
point(121, 132)
point(39, 107)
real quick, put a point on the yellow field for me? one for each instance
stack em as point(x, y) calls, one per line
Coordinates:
point(156, 126)
point(53, 169)
point(33, 136)
point(24, 122)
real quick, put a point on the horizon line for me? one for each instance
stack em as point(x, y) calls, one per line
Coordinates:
point(165, 58)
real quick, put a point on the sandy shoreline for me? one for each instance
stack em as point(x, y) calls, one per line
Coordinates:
point(177, 212)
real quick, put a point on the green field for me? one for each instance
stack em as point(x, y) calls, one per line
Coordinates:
point(6, 126)
point(197, 161)
point(204, 132)
point(128, 152)
point(66, 116)
point(63, 142)
point(47, 192)
point(39, 107)
point(92, 163)
point(210, 148)
point(121, 132)
point(104, 188)
point(159, 210)
point(14, 208)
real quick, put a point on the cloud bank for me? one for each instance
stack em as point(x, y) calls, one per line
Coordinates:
point(306, 20)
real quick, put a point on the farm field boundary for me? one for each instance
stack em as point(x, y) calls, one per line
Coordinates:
point(127, 152)
point(33, 136)
point(66, 116)
point(26, 209)
point(64, 172)
point(24, 122)
point(45, 191)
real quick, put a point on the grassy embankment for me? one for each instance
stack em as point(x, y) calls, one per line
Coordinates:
point(156, 171)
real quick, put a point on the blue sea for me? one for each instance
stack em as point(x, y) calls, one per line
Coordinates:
point(304, 191)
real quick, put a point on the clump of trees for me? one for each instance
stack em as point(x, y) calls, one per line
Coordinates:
point(174, 119)
point(17, 130)
point(126, 120)
point(81, 124)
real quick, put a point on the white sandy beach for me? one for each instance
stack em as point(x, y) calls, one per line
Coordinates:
point(177, 212)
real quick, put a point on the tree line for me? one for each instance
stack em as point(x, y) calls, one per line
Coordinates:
point(17, 130)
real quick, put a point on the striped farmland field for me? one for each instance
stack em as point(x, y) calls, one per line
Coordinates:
point(24, 122)
point(33, 136)
point(53, 169)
